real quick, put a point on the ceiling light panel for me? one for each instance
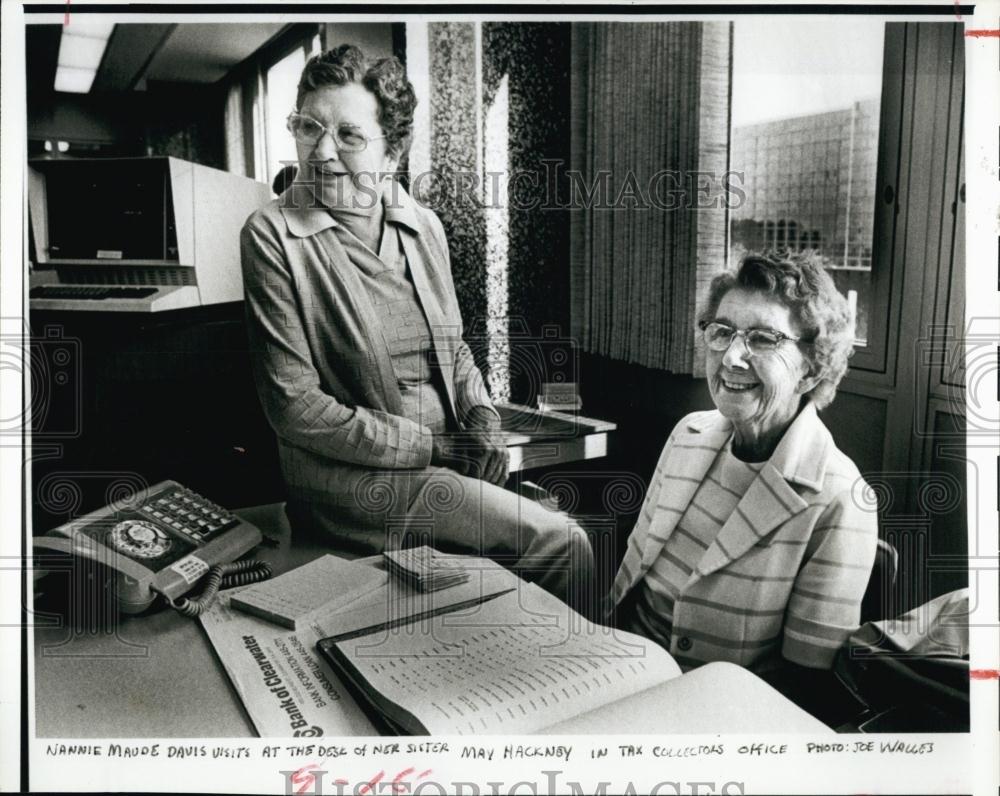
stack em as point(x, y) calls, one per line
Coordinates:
point(80, 51)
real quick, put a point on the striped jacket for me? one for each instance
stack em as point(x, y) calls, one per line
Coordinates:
point(788, 568)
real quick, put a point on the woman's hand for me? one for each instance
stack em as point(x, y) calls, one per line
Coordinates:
point(491, 455)
point(477, 452)
point(483, 429)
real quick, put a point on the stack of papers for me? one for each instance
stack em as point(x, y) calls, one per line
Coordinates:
point(425, 568)
point(327, 585)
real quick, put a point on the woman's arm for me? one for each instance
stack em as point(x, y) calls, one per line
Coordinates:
point(825, 608)
point(479, 450)
point(473, 403)
point(289, 386)
point(825, 603)
point(628, 569)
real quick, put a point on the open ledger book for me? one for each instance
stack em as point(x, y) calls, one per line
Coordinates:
point(517, 663)
point(277, 671)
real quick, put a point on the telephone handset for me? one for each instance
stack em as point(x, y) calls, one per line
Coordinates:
point(163, 546)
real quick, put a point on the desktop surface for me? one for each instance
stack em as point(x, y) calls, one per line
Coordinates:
point(158, 676)
point(147, 676)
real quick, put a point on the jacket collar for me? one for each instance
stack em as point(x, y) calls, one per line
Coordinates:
point(305, 216)
point(800, 458)
point(803, 453)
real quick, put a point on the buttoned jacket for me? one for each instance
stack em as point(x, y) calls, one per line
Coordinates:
point(788, 568)
point(322, 368)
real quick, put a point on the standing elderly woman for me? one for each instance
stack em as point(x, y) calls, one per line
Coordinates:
point(752, 546)
point(386, 433)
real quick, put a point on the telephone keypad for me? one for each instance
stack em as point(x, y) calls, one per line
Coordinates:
point(189, 513)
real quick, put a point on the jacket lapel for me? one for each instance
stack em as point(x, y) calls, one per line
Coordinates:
point(305, 217)
point(768, 503)
point(356, 294)
point(417, 254)
point(800, 458)
point(691, 455)
point(694, 450)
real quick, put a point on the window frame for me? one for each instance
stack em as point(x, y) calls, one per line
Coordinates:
point(870, 369)
point(301, 38)
point(251, 74)
point(870, 361)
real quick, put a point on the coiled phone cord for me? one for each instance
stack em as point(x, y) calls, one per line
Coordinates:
point(237, 573)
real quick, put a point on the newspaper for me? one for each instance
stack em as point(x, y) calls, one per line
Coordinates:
point(286, 687)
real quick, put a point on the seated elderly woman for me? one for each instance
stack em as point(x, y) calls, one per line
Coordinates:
point(752, 546)
point(386, 434)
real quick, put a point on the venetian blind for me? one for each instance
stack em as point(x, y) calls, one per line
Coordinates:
point(650, 143)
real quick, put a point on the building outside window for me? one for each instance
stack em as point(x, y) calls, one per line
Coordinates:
point(807, 146)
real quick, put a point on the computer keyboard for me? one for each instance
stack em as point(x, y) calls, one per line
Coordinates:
point(92, 292)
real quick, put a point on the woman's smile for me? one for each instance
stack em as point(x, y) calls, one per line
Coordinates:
point(346, 180)
point(760, 393)
point(738, 386)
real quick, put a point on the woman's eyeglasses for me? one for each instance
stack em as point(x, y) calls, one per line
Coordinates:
point(309, 131)
point(719, 336)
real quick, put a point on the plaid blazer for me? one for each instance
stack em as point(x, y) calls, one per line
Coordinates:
point(788, 569)
point(322, 367)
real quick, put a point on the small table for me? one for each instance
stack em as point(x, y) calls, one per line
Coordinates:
point(539, 439)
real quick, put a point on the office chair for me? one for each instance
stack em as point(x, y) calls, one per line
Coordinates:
point(908, 693)
point(910, 674)
point(879, 590)
point(284, 178)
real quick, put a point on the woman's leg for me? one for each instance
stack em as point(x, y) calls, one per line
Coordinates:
point(370, 511)
point(453, 512)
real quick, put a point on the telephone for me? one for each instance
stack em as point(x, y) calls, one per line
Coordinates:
point(162, 546)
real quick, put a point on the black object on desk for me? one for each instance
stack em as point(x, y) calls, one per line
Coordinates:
point(158, 541)
point(89, 292)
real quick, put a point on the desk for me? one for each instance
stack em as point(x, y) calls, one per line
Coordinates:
point(541, 439)
point(157, 676)
point(148, 676)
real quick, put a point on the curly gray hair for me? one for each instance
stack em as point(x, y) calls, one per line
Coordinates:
point(817, 306)
point(384, 77)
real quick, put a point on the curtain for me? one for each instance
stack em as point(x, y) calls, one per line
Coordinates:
point(235, 152)
point(650, 143)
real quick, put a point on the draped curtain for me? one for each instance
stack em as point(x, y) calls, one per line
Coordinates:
point(650, 142)
point(235, 152)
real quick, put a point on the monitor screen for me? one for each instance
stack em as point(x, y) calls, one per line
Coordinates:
point(109, 210)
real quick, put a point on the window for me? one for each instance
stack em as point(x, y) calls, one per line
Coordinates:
point(281, 81)
point(261, 94)
point(805, 114)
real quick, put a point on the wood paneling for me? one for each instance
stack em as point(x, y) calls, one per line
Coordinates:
point(855, 421)
point(919, 467)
